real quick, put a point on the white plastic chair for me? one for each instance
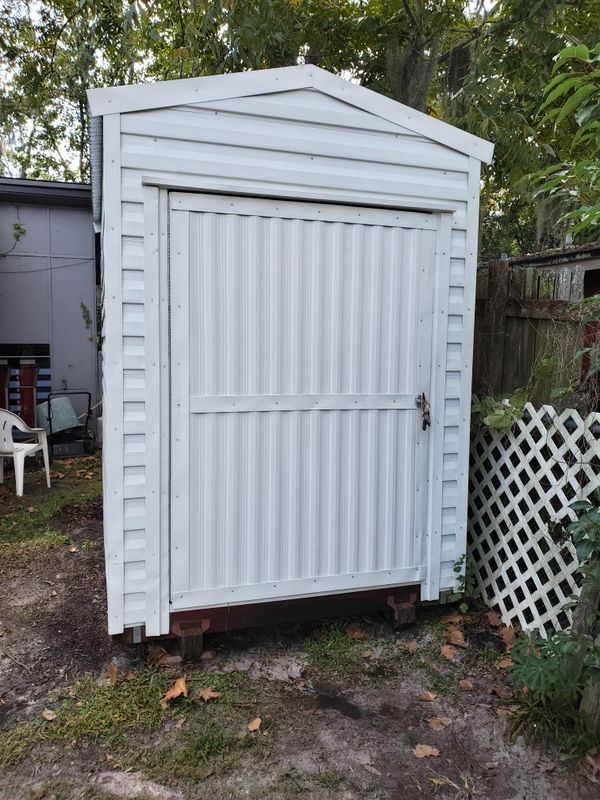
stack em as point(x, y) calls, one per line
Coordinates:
point(19, 450)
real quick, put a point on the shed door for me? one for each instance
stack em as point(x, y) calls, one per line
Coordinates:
point(300, 336)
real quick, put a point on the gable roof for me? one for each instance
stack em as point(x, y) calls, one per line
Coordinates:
point(145, 96)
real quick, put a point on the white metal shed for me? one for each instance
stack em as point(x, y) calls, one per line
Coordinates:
point(289, 263)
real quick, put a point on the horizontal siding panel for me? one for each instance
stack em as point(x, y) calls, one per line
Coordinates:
point(305, 105)
point(133, 246)
point(447, 574)
point(134, 320)
point(321, 141)
point(134, 513)
point(453, 385)
point(289, 168)
point(134, 385)
point(457, 271)
point(458, 244)
point(134, 449)
point(134, 545)
point(134, 577)
point(134, 608)
point(133, 285)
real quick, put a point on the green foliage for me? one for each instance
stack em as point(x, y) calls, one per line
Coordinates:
point(500, 414)
point(542, 665)
point(466, 578)
point(538, 665)
point(18, 232)
point(572, 104)
point(585, 532)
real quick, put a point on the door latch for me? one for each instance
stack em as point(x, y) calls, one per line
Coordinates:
point(423, 404)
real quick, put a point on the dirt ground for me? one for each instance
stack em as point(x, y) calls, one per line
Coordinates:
point(342, 711)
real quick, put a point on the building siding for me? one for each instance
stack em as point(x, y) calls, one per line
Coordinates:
point(306, 142)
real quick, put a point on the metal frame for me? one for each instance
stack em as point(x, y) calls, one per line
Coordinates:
point(426, 575)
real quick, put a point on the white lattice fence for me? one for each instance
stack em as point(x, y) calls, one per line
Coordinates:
point(520, 486)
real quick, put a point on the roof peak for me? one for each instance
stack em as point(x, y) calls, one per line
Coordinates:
point(164, 94)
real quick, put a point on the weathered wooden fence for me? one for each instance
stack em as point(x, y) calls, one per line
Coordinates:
point(524, 310)
point(520, 488)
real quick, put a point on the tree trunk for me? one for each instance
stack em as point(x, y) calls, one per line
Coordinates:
point(584, 619)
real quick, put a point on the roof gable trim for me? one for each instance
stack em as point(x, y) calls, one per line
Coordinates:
point(139, 97)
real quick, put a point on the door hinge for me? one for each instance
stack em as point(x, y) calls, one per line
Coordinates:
point(422, 403)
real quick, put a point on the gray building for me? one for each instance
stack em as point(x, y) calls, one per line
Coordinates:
point(47, 292)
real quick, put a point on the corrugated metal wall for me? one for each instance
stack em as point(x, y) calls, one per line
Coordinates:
point(304, 141)
point(310, 314)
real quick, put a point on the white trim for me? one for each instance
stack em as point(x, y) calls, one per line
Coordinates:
point(204, 184)
point(431, 588)
point(112, 369)
point(179, 249)
point(152, 407)
point(425, 367)
point(204, 404)
point(409, 118)
point(166, 94)
point(464, 410)
point(165, 417)
point(296, 589)
point(289, 209)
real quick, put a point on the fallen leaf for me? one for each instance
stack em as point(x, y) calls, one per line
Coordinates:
point(48, 714)
point(108, 757)
point(466, 685)
point(427, 697)
point(73, 549)
point(354, 631)
point(425, 751)
point(31, 509)
point(208, 694)
point(127, 676)
point(505, 663)
point(412, 647)
point(366, 654)
point(112, 673)
point(167, 660)
point(455, 636)
point(452, 619)
point(501, 691)
point(179, 688)
point(506, 633)
point(494, 619)
point(448, 652)
point(180, 723)
point(439, 723)
point(155, 652)
point(254, 725)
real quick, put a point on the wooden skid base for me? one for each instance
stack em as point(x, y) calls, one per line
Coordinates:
point(190, 626)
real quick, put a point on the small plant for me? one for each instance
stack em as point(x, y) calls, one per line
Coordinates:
point(561, 674)
point(500, 413)
point(466, 578)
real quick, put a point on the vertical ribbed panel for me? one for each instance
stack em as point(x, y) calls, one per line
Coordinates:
point(295, 307)
point(300, 307)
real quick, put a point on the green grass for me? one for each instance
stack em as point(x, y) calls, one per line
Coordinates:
point(22, 525)
point(28, 524)
point(93, 712)
point(123, 720)
point(334, 653)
